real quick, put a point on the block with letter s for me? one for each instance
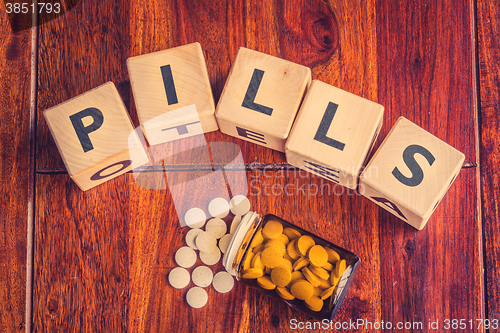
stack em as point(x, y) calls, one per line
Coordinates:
point(410, 173)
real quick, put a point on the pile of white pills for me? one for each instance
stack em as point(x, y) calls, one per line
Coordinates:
point(209, 243)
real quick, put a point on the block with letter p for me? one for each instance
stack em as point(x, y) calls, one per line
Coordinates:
point(410, 173)
point(261, 98)
point(95, 136)
point(172, 93)
point(333, 133)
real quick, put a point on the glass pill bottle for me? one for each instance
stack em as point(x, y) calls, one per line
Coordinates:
point(290, 264)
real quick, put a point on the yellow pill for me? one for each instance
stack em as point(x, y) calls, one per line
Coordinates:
point(285, 294)
point(302, 289)
point(270, 257)
point(327, 293)
point(268, 270)
point(252, 273)
point(317, 255)
point(281, 276)
point(277, 245)
point(248, 261)
point(257, 239)
point(259, 248)
point(304, 243)
point(340, 268)
point(311, 277)
point(291, 250)
point(325, 284)
point(266, 283)
point(272, 229)
point(286, 264)
point(334, 279)
point(314, 303)
point(333, 256)
point(320, 272)
point(328, 266)
point(291, 233)
point(284, 239)
point(256, 262)
point(296, 275)
point(300, 263)
point(317, 291)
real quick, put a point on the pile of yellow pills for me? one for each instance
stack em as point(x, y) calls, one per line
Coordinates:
point(282, 259)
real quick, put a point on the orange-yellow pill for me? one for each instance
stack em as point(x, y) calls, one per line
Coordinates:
point(270, 257)
point(317, 255)
point(281, 276)
point(284, 293)
point(302, 289)
point(340, 268)
point(272, 229)
point(252, 273)
point(333, 256)
point(266, 283)
point(304, 243)
point(300, 263)
point(291, 250)
point(327, 293)
point(314, 303)
point(311, 277)
point(291, 233)
point(320, 272)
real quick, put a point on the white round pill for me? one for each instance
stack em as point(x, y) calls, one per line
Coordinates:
point(216, 227)
point(218, 207)
point(185, 257)
point(206, 242)
point(179, 277)
point(196, 297)
point(240, 205)
point(210, 258)
point(195, 218)
point(234, 224)
point(202, 276)
point(224, 242)
point(191, 237)
point(223, 282)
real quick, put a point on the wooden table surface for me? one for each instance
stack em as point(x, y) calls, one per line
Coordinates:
point(97, 261)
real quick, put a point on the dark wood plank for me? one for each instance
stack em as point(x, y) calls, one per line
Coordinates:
point(488, 22)
point(427, 74)
point(15, 172)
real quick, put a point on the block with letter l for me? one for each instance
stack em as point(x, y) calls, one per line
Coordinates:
point(410, 173)
point(261, 98)
point(172, 93)
point(95, 137)
point(333, 133)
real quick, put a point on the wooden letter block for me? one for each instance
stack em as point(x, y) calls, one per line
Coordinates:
point(172, 93)
point(333, 133)
point(410, 173)
point(261, 98)
point(95, 136)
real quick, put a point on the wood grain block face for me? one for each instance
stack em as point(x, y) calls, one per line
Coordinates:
point(172, 93)
point(95, 136)
point(333, 133)
point(261, 98)
point(410, 173)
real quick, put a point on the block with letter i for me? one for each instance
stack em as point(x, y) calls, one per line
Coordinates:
point(261, 98)
point(410, 173)
point(95, 136)
point(333, 133)
point(172, 93)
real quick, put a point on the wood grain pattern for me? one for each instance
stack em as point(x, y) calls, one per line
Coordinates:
point(15, 172)
point(426, 73)
point(103, 255)
point(488, 20)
